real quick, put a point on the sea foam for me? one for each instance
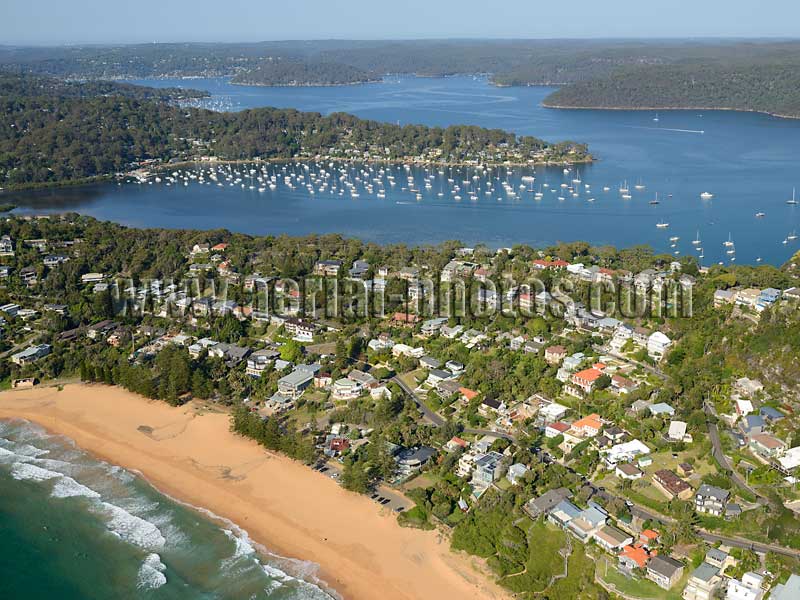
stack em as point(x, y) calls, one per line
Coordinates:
point(28, 472)
point(67, 487)
point(151, 573)
point(133, 529)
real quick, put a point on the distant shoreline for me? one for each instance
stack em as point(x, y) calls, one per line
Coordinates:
point(304, 84)
point(670, 108)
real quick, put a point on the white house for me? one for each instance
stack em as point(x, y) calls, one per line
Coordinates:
point(658, 344)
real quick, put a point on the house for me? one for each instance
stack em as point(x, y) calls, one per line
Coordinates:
point(787, 591)
point(382, 342)
point(648, 538)
point(230, 353)
point(770, 414)
point(671, 485)
point(552, 411)
point(455, 443)
point(301, 331)
point(404, 319)
point(437, 375)
point(31, 354)
point(748, 297)
point(768, 296)
point(432, 326)
point(746, 588)
point(624, 452)
point(628, 471)
point(748, 387)
point(546, 502)
point(563, 513)
point(359, 269)
point(53, 260)
point(658, 344)
point(59, 309)
point(585, 380)
point(92, 278)
point(346, 389)
point(29, 276)
point(588, 522)
point(6, 246)
point(711, 500)
point(555, 265)
point(99, 330)
point(790, 459)
point(327, 268)
point(515, 473)
point(664, 571)
point(719, 559)
point(751, 425)
point(10, 309)
point(703, 583)
point(622, 385)
point(677, 431)
point(724, 297)
point(767, 446)
point(661, 409)
point(260, 360)
point(293, 384)
point(743, 407)
point(556, 429)
point(413, 459)
point(490, 406)
point(364, 379)
point(612, 539)
point(792, 293)
point(451, 332)
point(428, 362)
point(203, 248)
point(405, 350)
point(454, 367)
point(555, 354)
point(633, 557)
point(447, 388)
point(487, 468)
point(202, 344)
point(588, 426)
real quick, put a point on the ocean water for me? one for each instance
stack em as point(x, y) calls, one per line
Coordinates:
point(74, 527)
point(747, 161)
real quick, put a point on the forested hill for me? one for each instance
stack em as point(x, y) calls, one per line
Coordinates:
point(51, 132)
point(770, 88)
point(14, 85)
point(293, 72)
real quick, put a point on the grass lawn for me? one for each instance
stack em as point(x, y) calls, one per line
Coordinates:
point(637, 587)
point(410, 378)
point(504, 484)
point(421, 481)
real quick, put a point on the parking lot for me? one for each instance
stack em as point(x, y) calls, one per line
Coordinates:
point(383, 496)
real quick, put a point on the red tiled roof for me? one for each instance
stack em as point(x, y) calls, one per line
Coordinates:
point(588, 374)
point(637, 554)
point(468, 393)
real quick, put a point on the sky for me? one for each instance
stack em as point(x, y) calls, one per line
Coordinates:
point(53, 22)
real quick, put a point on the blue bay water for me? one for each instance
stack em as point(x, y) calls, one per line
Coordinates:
point(73, 527)
point(747, 161)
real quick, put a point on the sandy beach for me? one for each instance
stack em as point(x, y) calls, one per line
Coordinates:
point(190, 454)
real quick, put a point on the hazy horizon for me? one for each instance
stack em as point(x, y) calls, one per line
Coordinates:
point(51, 22)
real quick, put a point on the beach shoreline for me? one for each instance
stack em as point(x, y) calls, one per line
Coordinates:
point(189, 454)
